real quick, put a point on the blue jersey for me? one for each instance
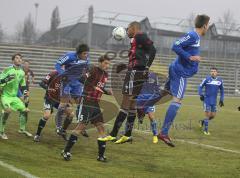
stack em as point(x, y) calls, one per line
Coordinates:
point(212, 86)
point(149, 92)
point(151, 86)
point(185, 47)
point(72, 64)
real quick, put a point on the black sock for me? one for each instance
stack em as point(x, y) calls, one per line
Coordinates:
point(130, 124)
point(41, 125)
point(118, 122)
point(101, 148)
point(67, 122)
point(72, 140)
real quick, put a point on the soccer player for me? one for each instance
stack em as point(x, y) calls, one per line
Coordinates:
point(71, 86)
point(212, 85)
point(9, 99)
point(141, 56)
point(51, 99)
point(150, 90)
point(182, 68)
point(90, 110)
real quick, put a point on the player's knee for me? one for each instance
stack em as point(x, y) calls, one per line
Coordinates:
point(69, 111)
point(26, 110)
point(7, 110)
point(151, 116)
point(177, 100)
point(77, 131)
point(211, 117)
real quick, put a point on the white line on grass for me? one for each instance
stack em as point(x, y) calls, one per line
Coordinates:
point(19, 171)
point(198, 144)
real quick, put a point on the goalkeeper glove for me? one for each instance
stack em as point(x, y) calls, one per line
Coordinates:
point(202, 98)
point(221, 104)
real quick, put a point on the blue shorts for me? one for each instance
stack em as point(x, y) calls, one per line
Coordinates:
point(210, 107)
point(177, 84)
point(142, 102)
point(149, 109)
point(19, 94)
point(71, 89)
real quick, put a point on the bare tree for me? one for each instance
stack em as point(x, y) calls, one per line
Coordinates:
point(55, 19)
point(28, 33)
point(227, 23)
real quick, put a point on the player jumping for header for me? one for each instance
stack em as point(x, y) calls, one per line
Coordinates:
point(184, 66)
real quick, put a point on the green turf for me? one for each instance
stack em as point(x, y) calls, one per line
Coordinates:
point(140, 159)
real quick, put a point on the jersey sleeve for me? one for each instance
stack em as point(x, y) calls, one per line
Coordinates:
point(144, 42)
point(221, 91)
point(183, 42)
point(5, 73)
point(201, 86)
point(62, 61)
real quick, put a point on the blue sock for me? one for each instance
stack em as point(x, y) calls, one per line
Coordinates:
point(170, 116)
point(154, 127)
point(206, 124)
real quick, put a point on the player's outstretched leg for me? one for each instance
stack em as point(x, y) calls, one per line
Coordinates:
point(66, 123)
point(117, 125)
point(41, 124)
point(59, 118)
point(153, 124)
point(169, 118)
point(127, 137)
point(3, 119)
point(66, 153)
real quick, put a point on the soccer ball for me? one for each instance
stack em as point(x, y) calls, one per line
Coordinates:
point(119, 33)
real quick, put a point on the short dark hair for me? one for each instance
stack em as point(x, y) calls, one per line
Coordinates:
point(135, 23)
point(103, 58)
point(201, 20)
point(213, 68)
point(82, 48)
point(16, 54)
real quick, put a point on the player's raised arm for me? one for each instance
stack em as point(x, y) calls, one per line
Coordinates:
point(180, 44)
point(61, 61)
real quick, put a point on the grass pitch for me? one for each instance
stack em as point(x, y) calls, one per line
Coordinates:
point(137, 160)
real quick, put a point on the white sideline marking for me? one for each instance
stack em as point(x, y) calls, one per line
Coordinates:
point(19, 171)
point(198, 144)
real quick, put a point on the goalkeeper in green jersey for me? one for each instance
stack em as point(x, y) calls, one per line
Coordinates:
point(9, 99)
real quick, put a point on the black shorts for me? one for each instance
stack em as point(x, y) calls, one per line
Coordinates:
point(133, 82)
point(90, 111)
point(49, 105)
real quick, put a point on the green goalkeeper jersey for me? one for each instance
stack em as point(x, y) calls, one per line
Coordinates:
point(11, 88)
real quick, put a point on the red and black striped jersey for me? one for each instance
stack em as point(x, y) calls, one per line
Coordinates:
point(141, 53)
point(94, 84)
point(52, 83)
